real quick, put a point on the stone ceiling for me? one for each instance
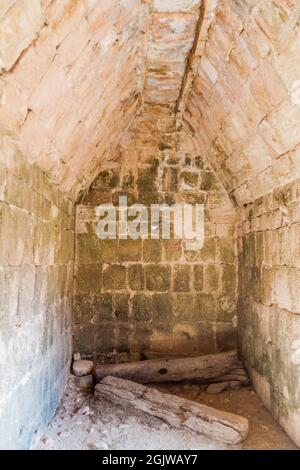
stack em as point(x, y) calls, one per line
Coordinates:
point(71, 82)
point(77, 74)
point(170, 39)
point(244, 106)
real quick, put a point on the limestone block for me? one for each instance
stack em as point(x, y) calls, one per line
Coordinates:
point(136, 277)
point(84, 383)
point(184, 307)
point(267, 285)
point(5, 5)
point(290, 423)
point(185, 337)
point(172, 250)
point(121, 307)
point(18, 28)
point(64, 17)
point(11, 283)
point(101, 307)
point(114, 277)
point(209, 71)
point(211, 279)
point(270, 24)
point(285, 64)
point(175, 5)
point(106, 180)
point(227, 250)
point(85, 339)
point(31, 66)
point(110, 251)
point(282, 134)
point(189, 180)
point(73, 44)
point(123, 339)
point(207, 307)
point(224, 215)
point(13, 109)
point(182, 278)
point(88, 248)
point(227, 309)
point(142, 308)
point(170, 179)
point(160, 342)
point(267, 88)
point(262, 387)
point(88, 278)
point(158, 277)
point(294, 234)
point(130, 250)
point(82, 367)
point(206, 254)
point(26, 292)
point(162, 314)
point(225, 336)
point(282, 288)
point(258, 154)
point(229, 280)
point(294, 288)
point(152, 250)
point(76, 356)
point(198, 277)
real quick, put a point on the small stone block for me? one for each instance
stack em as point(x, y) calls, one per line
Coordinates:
point(81, 368)
point(84, 383)
point(76, 356)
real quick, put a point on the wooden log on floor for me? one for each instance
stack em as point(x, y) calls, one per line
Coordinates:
point(204, 368)
point(161, 355)
point(179, 413)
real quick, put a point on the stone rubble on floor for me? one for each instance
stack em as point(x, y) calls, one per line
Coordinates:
point(82, 367)
point(83, 373)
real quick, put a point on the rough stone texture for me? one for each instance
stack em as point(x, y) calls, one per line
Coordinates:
point(269, 293)
point(172, 33)
point(244, 102)
point(72, 76)
point(71, 427)
point(157, 295)
point(64, 104)
point(92, 88)
point(243, 108)
point(82, 367)
point(84, 383)
point(36, 276)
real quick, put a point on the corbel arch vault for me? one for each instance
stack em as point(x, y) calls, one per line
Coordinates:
point(166, 101)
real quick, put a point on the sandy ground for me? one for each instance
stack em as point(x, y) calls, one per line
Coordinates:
point(84, 422)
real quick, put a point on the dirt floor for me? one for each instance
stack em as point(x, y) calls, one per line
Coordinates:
point(84, 422)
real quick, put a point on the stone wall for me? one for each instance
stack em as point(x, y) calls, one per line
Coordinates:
point(156, 295)
point(36, 275)
point(244, 102)
point(269, 300)
point(64, 104)
point(74, 77)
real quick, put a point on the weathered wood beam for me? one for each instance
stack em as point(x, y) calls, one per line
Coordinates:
point(179, 413)
point(208, 369)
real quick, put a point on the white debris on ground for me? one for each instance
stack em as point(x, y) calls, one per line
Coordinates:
point(83, 422)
